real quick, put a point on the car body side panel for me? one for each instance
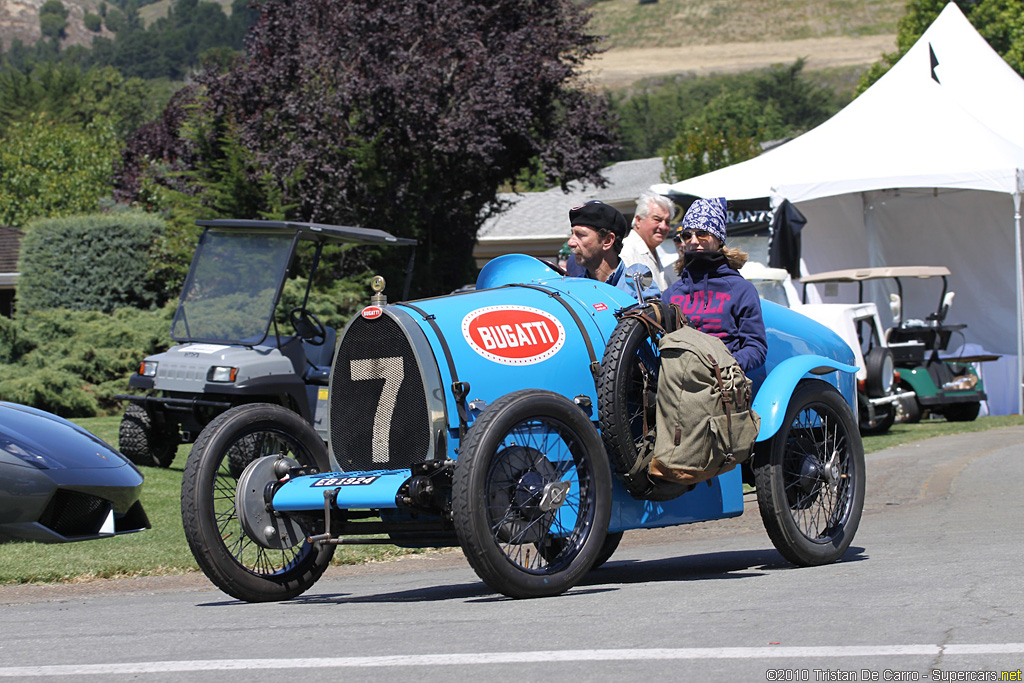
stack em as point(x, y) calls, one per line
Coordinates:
point(567, 371)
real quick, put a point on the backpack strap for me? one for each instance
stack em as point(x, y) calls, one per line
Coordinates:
point(658, 317)
point(727, 399)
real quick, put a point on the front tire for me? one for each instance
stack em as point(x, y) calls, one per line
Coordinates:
point(532, 495)
point(810, 480)
point(142, 442)
point(234, 562)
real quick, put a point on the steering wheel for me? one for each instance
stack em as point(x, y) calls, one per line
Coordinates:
point(307, 326)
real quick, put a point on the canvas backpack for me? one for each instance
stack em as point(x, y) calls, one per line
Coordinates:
point(705, 425)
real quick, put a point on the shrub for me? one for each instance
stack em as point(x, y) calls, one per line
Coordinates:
point(72, 362)
point(98, 262)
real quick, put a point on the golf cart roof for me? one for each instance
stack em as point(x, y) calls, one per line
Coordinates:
point(862, 274)
point(311, 231)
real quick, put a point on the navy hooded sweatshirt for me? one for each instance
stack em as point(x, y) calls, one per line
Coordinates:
point(718, 301)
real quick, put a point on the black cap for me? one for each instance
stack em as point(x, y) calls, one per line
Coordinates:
point(599, 216)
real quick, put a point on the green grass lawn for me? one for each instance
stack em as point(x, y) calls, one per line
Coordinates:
point(163, 550)
point(160, 550)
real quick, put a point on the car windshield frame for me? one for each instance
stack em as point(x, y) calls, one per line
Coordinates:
point(260, 311)
point(233, 286)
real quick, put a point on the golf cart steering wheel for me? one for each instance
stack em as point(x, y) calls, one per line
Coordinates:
point(307, 326)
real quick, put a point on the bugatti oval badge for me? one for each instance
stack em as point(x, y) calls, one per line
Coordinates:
point(371, 312)
point(513, 335)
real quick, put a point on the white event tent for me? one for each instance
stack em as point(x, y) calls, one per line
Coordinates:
point(924, 168)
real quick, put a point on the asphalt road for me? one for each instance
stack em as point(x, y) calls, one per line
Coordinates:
point(930, 590)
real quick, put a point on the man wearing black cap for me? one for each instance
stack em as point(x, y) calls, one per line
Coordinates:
point(595, 242)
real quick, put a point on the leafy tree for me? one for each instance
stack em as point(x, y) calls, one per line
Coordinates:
point(66, 94)
point(93, 22)
point(114, 20)
point(651, 116)
point(53, 18)
point(401, 115)
point(54, 169)
point(800, 103)
point(727, 131)
point(1000, 22)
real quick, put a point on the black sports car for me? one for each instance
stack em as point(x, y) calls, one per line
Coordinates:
point(59, 483)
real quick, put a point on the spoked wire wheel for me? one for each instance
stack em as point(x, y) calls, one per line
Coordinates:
point(532, 494)
point(810, 481)
point(628, 392)
point(232, 560)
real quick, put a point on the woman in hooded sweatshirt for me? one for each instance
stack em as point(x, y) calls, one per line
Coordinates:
point(710, 290)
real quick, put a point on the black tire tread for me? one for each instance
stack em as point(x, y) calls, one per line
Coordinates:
point(142, 443)
point(962, 412)
point(206, 545)
point(468, 499)
point(775, 512)
point(615, 430)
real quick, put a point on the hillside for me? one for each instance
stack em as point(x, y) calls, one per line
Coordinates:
point(19, 19)
point(659, 38)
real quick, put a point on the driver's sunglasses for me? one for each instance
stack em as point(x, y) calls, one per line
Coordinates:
point(687, 234)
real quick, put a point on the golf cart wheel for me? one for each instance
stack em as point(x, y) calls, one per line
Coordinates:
point(230, 558)
point(881, 372)
point(810, 479)
point(962, 412)
point(532, 495)
point(909, 407)
point(629, 375)
point(144, 443)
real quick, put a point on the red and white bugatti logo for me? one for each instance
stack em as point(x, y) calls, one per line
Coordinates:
point(513, 335)
point(371, 312)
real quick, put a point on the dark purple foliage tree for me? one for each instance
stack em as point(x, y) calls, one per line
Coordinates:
point(409, 115)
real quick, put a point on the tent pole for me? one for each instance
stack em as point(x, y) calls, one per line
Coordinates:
point(1020, 293)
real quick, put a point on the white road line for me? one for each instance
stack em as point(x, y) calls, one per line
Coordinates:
point(489, 658)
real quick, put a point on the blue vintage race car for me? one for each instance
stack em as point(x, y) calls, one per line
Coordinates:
point(501, 420)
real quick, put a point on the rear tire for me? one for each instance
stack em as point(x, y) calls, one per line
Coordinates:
point(910, 408)
point(962, 412)
point(880, 371)
point(234, 562)
point(608, 548)
point(810, 479)
point(144, 443)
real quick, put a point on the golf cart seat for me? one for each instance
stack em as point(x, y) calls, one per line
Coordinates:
point(931, 336)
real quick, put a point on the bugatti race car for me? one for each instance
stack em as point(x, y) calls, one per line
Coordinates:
point(503, 420)
point(59, 483)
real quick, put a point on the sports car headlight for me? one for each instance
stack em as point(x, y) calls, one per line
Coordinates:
point(148, 368)
point(222, 373)
point(29, 456)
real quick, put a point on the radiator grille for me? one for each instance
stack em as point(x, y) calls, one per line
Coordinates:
point(379, 417)
point(71, 513)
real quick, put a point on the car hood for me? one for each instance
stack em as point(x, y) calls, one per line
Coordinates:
point(35, 438)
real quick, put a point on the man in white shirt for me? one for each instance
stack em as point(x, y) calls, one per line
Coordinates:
point(650, 228)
